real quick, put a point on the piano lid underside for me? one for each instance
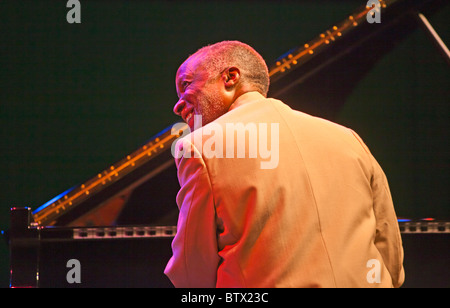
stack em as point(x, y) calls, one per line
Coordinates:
point(148, 200)
point(322, 85)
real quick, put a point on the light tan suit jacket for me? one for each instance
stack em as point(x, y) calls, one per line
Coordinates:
point(323, 217)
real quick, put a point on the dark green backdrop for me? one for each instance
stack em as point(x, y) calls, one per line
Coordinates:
point(75, 98)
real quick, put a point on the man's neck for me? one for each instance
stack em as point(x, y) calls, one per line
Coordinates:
point(245, 98)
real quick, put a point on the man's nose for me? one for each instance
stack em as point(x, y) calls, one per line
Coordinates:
point(179, 106)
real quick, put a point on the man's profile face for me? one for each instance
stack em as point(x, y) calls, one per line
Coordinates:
point(199, 94)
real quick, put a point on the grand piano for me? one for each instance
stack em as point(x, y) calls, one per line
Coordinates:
point(119, 224)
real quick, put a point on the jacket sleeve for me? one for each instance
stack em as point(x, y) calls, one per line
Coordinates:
point(388, 238)
point(195, 257)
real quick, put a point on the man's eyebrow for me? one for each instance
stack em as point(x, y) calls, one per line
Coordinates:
point(185, 76)
point(181, 78)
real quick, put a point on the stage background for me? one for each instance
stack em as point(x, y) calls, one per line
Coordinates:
point(75, 98)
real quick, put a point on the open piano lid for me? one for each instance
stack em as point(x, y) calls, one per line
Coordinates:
point(101, 199)
point(313, 72)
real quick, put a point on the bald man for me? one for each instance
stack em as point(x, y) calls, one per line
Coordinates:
point(320, 215)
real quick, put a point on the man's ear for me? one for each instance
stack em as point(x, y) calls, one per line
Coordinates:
point(231, 77)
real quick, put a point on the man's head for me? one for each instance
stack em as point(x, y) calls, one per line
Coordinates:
point(210, 80)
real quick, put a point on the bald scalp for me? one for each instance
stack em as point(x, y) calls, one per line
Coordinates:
point(218, 57)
